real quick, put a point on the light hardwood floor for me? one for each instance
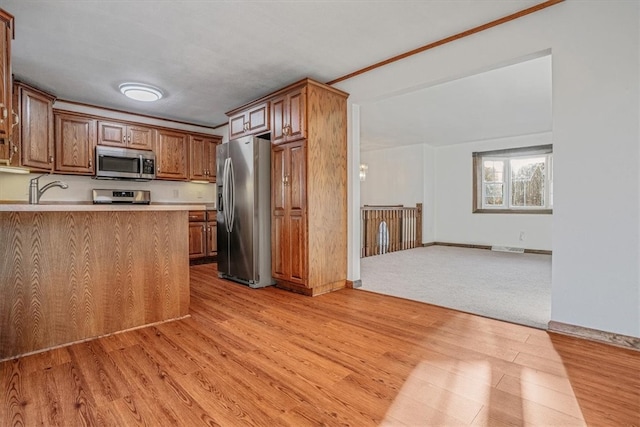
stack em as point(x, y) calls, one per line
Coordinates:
point(268, 357)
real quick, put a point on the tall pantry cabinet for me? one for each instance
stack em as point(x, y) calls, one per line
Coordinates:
point(309, 188)
point(7, 115)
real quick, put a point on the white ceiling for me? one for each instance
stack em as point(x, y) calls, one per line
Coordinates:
point(506, 101)
point(212, 56)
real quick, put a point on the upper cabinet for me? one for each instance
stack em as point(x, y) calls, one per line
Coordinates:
point(32, 141)
point(75, 142)
point(7, 116)
point(172, 154)
point(125, 135)
point(202, 164)
point(249, 120)
point(288, 116)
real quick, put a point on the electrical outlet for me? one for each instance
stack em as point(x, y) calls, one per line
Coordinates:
point(176, 194)
point(199, 194)
point(521, 235)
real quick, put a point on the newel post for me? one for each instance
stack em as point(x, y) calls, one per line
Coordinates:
point(419, 223)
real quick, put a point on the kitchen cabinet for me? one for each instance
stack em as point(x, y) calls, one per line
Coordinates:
point(212, 233)
point(7, 116)
point(75, 142)
point(288, 116)
point(309, 189)
point(197, 234)
point(249, 120)
point(202, 234)
point(32, 140)
point(172, 154)
point(118, 134)
point(288, 229)
point(202, 164)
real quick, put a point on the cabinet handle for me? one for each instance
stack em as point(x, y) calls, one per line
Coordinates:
point(158, 170)
point(246, 126)
point(50, 159)
point(90, 163)
point(5, 113)
point(285, 130)
point(285, 179)
point(129, 138)
point(16, 118)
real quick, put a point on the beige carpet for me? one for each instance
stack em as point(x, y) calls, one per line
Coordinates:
point(505, 286)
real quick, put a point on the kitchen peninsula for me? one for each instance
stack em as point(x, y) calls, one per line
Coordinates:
point(70, 272)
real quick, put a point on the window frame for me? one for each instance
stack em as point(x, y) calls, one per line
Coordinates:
point(506, 155)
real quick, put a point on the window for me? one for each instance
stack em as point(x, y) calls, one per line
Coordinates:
point(518, 180)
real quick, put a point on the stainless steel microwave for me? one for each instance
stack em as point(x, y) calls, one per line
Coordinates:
point(125, 163)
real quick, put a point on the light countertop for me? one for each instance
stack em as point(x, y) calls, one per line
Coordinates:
point(18, 206)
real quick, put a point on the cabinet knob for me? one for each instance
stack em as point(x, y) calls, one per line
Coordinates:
point(246, 126)
point(90, 163)
point(5, 113)
point(50, 159)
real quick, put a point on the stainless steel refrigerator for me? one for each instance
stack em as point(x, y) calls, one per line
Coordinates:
point(243, 181)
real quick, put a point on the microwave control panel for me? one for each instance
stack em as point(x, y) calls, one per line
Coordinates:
point(148, 166)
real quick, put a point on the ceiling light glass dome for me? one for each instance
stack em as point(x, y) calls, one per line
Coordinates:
point(141, 92)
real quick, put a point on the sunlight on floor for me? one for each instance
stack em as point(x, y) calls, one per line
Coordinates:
point(434, 391)
point(447, 392)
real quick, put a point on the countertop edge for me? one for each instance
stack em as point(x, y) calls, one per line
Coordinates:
point(90, 207)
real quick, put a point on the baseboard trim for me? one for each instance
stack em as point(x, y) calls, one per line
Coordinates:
point(68, 344)
point(618, 340)
point(352, 284)
point(470, 246)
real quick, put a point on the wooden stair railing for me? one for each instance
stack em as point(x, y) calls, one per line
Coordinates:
point(389, 228)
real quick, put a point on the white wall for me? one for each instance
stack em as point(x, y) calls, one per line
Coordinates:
point(395, 176)
point(454, 220)
point(596, 129)
point(16, 187)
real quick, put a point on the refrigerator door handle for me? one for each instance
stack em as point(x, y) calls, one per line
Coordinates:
point(232, 196)
point(225, 194)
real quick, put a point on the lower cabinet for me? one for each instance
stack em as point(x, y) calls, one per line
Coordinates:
point(202, 234)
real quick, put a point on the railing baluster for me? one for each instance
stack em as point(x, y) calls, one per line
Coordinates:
point(403, 225)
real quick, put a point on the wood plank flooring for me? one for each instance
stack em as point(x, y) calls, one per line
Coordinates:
point(268, 357)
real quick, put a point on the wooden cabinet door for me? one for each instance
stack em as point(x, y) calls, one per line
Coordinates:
point(210, 154)
point(296, 183)
point(116, 134)
point(6, 110)
point(253, 120)
point(288, 117)
point(237, 126)
point(279, 237)
point(212, 236)
point(172, 150)
point(289, 254)
point(36, 129)
point(202, 164)
point(75, 142)
point(112, 134)
point(197, 163)
point(278, 119)
point(197, 240)
point(139, 137)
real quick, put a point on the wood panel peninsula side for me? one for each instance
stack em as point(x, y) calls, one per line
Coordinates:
point(69, 273)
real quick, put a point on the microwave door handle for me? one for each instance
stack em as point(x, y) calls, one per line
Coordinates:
point(140, 165)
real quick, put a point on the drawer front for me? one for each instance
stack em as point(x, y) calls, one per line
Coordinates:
point(197, 216)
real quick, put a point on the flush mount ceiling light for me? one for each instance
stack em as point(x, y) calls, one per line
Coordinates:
point(141, 92)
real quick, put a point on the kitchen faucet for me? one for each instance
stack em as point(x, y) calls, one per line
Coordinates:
point(35, 193)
